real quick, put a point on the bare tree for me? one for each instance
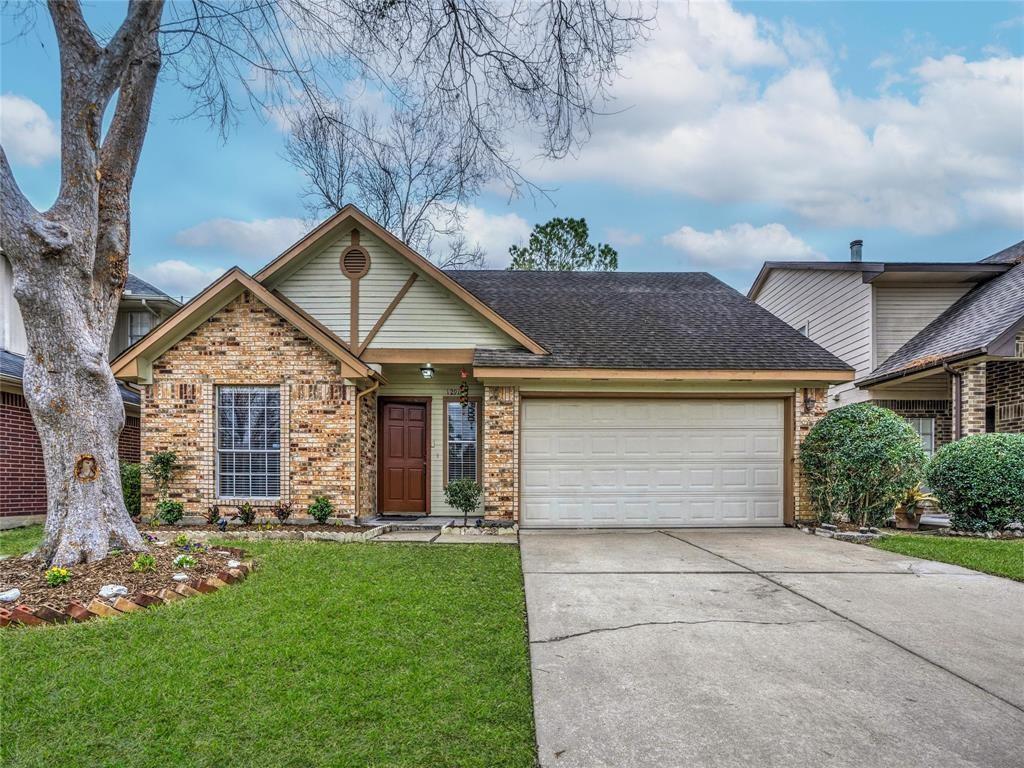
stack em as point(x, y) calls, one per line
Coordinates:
point(483, 64)
point(411, 170)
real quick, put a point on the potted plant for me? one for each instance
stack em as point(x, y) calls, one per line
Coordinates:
point(910, 509)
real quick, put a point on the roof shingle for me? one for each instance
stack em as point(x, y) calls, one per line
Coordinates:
point(639, 320)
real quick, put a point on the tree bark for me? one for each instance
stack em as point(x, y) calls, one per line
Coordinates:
point(70, 264)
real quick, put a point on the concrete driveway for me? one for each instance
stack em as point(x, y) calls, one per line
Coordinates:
point(760, 648)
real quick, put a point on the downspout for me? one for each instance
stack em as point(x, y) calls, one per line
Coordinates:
point(359, 435)
point(957, 386)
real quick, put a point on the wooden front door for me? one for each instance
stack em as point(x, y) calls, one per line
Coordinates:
point(404, 456)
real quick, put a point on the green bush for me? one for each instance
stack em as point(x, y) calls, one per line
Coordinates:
point(131, 487)
point(980, 481)
point(859, 462)
point(463, 494)
point(170, 511)
point(246, 513)
point(321, 509)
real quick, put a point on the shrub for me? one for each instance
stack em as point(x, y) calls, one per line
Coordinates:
point(246, 513)
point(181, 540)
point(161, 468)
point(980, 481)
point(144, 564)
point(463, 494)
point(131, 487)
point(283, 511)
point(859, 462)
point(321, 509)
point(170, 511)
point(212, 514)
point(56, 576)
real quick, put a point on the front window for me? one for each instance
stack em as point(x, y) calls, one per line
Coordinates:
point(463, 433)
point(248, 442)
point(925, 428)
point(139, 324)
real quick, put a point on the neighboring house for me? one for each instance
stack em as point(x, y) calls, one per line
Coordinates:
point(942, 344)
point(22, 479)
point(352, 367)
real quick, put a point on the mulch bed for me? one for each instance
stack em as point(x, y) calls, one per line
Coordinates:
point(87, 578)
point(264, 526)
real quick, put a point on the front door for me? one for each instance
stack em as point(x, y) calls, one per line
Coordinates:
point(404, 456)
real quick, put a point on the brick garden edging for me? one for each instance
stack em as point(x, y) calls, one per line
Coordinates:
point(25, 615)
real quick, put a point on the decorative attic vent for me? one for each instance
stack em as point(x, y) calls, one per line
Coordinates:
point(355, 261)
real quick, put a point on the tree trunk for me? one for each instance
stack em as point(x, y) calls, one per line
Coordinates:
point(79, 414)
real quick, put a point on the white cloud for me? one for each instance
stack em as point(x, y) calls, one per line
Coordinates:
point(623, 238)
point(179, 278)
point(493, 232)
point(695, 118)
point(256, 238)
point(739, 246)
point(28, 134)
point(1004, 207)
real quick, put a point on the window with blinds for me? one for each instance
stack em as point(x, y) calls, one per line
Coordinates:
point(248, 442)
point(463, 430)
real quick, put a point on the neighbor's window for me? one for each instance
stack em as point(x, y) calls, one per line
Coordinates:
point(139, 324)
point(925, 428)
point(463, 429)
point(248, 442)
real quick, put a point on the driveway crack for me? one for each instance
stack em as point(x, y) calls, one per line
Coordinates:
point(679, 622)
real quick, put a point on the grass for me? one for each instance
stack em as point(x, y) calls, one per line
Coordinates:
point(329, 655)
point(18, 541)
point(998, 557)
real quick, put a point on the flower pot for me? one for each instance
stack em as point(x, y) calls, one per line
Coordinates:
point(908, 518)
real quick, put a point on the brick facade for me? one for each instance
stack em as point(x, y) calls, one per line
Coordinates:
point(810, 407)
point(246, 343)
point(940, 410)
point(368, 456)
point(1004, 385)
point(501, 452)
point(22, 474)
point(973, 390)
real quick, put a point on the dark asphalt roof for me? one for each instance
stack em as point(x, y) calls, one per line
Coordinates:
point(1012, 255)
point(638, 320)
point(139, 288)
point(12, 366)
point(968, 327)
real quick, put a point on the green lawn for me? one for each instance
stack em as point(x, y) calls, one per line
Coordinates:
point(329, 655)
point(18, 541)
point(998, 557)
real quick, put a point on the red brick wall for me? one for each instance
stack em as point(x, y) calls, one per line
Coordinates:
point(22, 477)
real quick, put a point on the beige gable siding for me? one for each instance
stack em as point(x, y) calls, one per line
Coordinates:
point(427, 317)
point(836, 304)
point(901, 312)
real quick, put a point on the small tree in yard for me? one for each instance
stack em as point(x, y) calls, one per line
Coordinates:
point(859, 462)
point(980, 481)
point(483, 64)
point(464, 495)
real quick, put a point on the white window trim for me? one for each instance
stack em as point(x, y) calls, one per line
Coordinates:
point(478, 402)
point(217, 449)
point(915, 422)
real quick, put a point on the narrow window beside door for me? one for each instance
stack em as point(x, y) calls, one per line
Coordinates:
point(925, 428)
point(248, 442)
point(463, 432)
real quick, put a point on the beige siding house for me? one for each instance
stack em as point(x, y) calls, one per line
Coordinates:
point(936, 342)
point(351, 367)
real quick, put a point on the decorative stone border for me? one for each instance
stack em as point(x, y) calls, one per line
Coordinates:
point(25, 615)
point(459, 530)
point(1007, 534)
point(828, 531)
point(341, 537)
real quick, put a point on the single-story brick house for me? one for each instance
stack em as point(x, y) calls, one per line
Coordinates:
point(352, 367)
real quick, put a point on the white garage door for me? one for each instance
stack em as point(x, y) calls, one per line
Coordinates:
point(595, 463)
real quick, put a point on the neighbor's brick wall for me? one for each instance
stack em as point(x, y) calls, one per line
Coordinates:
point(806, 418)
point(972, 399)
point(246, 343)
point(940, 410)
point(1005, 390)
point(22, 474)
point(501, 452)
point(368, 456)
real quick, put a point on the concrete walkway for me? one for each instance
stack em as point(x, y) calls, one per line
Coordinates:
point(761, 648)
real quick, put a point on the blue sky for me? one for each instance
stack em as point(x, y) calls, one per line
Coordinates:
point(742, 132)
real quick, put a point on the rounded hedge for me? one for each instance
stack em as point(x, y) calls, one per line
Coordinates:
point(859, 461)
point(980, 481)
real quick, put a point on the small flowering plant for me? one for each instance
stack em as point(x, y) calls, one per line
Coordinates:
point(144, 563)
point(185, 561)
point(56, 576)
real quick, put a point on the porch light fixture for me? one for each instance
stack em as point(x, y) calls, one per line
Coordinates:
point(427, 371)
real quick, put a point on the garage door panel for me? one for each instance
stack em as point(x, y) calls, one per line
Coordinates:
point(606, 463)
